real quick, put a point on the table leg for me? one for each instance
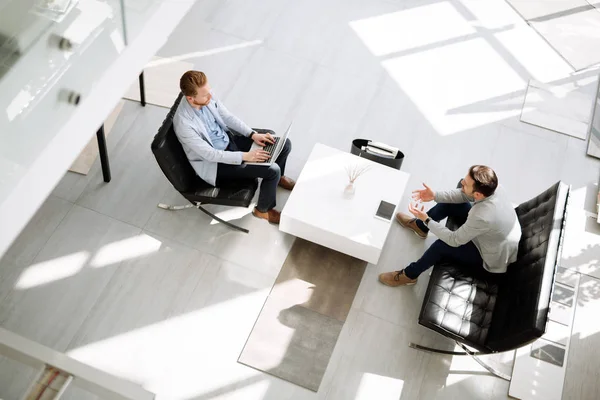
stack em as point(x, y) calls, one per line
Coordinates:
point(142, 90)
point(103, 154)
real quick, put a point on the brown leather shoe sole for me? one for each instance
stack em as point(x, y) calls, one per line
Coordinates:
point(273, 216)
point(287, 183)
point(412, 225)
point(389, 279)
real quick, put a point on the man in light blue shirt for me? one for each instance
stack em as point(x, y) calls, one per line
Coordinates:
point(218, 137)
point(217, 143)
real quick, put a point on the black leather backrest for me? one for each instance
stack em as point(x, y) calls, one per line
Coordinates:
point(522, 305)
point(170, 155)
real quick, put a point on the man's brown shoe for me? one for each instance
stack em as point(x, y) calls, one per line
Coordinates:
point(410, 223)
point(272, 215)
point(287, 183)
point(396, 278)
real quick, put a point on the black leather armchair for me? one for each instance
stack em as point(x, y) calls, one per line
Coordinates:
point(500, 313)
point(173, 162)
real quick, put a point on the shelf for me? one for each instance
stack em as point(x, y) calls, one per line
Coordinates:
point(40, 141)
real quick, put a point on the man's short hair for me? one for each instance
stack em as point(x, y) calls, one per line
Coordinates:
point(191, 81)
point(485, 179)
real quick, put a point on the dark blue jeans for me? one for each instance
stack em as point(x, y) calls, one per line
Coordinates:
point(466, 255)
point(270, 175)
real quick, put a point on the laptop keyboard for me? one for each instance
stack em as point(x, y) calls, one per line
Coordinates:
point(270, 148)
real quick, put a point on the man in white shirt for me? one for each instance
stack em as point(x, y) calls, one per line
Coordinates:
point(487, 240)
point(204, 127)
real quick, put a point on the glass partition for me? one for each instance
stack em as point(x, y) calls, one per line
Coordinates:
point(50, 53)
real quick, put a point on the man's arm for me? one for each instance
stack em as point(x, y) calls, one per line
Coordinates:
point(451, 196)
point(204, 150)
point(231, 120)
point(473, 227)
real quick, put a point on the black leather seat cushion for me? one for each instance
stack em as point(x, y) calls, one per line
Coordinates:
point(500, 312)
point(459, 305)
point(237, 193)
point(173, 162)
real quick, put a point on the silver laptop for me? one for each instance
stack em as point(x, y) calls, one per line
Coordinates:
point(273, 149)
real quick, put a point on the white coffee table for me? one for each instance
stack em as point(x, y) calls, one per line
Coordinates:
point(318, 211)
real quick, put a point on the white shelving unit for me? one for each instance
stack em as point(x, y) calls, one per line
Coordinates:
point(74, 372)
point(598, 201)
point(540, 368)
point(40, 132)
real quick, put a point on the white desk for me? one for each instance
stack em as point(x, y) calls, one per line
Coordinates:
point(318, 211)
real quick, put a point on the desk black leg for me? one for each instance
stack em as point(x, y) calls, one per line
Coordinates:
point(142, 90)
point(103, 154)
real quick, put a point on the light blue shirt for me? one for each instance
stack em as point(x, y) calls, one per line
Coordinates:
point(218, 136)
point(193, 135)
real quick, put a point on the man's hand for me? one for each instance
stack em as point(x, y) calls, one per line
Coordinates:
point(257, 155)
point(423, 195)
point(418, 212)
point(263, 139)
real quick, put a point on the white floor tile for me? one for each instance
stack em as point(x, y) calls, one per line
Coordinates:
point(557, 108)
point(390, 117)
point(138, 183)
point(263, 250)
point(581, 244)
point(35, 235)
point(583, 362)
point(244, 19)
point(573, 35)
point(330, 110)
point(454, 95)
point(169, 341)
point(582, 174)
point(52, 294)
point(352, 52)
point(527, 165)
point(147, 290)
point(161, 81)
point(267, 89)
point(221, 56)
point(72, 185)
point(66, 278)
point(15, 378)
point(377, 359)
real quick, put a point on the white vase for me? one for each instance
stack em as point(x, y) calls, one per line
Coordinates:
point(349, 190)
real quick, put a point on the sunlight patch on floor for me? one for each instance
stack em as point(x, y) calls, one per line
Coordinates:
point(52, 270)
point(126, 249)
point(183, 356)
point(383, 387)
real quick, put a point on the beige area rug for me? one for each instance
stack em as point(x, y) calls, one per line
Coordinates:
point(161, 81)
point(88, 155)
point(298, 327)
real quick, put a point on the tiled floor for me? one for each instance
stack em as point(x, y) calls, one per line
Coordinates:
point(560, 108)
point(167, 299)
point(567, 25)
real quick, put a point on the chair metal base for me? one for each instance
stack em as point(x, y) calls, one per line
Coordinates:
point(199, 207)
point(466, 352)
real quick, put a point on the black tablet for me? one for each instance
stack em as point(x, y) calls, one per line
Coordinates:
point(385, 210)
